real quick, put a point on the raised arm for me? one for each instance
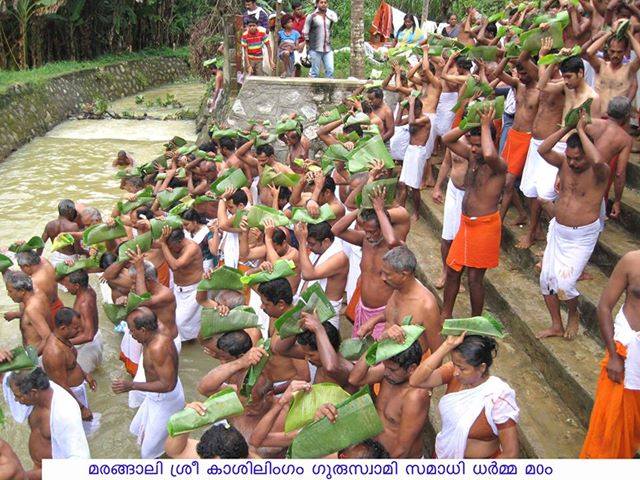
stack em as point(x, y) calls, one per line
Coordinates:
point(592, 52)
point(341, 229)
point(546, 147)
point(489, 152)
point(452, 140)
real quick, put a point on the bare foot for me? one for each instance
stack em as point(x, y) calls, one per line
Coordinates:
point(585, 276)
point(429, 183)
point(524, 242)
point(550, 332)
point(572, 326)
point(440, 282)
point(521, 220)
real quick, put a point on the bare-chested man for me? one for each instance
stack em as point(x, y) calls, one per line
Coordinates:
point(298, 146)
point(89, 340)
point(574, 231)
point(67, 221)
point(323, 193)
point(611, 435)
point(123, 159)
point(43, 276)
point(477, 243)
point(185, 261)
point(162, 389)
point(402, 408)
point(10, 465)
point(380, 231)
point(35, 312)
point(59, 360)
point(375, 96)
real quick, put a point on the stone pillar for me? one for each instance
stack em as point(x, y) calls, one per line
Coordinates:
point(230, 46)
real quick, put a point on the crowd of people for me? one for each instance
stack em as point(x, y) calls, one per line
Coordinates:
point(294, 274)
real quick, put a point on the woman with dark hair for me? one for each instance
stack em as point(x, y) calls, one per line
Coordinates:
point(409, 33)
point(479, 411)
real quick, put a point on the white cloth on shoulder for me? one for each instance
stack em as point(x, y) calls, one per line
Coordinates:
point(444, 115)
point(90, 353)
point(187, 311)
point(68, 439)
point(130, 347)
point(230, 246)
point(623, 333)
point(452, 211)
point(567, 253)
point(399, 142)
point(19, 412)
point(460, 410)
point(263, 319)
point(57, 257)
point(150, 421)
point(415, 159)
point(80, 392)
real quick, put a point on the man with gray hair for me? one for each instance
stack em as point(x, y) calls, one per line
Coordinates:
point(614, 144)
point(410, 298)
point(43, 276)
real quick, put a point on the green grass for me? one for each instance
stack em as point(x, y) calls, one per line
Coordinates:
point(51, 70)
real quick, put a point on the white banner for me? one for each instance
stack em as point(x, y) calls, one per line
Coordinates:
point(338, 469)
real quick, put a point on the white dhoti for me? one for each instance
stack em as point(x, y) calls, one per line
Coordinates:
point(354, 252)
point(459, 411)
point(68, 439)
point(187, 311)
point(263, 319)
point(130, 350)
point(90, 353)
point(399, 142)
point(452, 211)
point(254, 191)
point(150, 421)
point(444, 115)
point(230, 246)
point(623, 333)
point(80, 392)
point(539, 177)
point(431, 141)
point(415, 159)
point(567, 253)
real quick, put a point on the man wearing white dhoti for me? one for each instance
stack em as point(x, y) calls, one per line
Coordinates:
point(162, 390)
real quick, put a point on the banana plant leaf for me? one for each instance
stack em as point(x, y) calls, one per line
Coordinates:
point(332, 115)
point(158, 224)
point(134, 300)
point(373, 84)
point(572, 117)
point(218, 134)
point(387, 348)
point(531, 39)
point(357, 421)
point(143, 241)
point(348, 137)
point(187, 149)
point(129, 172)
point(232, 177)
point(405, 103)
point(254, 371)
point(313, 300)
point(512, 50)
point(23, 358)
point(304, 405)
point(115, 313)
point(176, 142)
point(482, 52)
point(553, 58)
point(445, 42)
point(562, 19)
point(167, 198)
point(5, 263)
point(353, 348)
point(472, 118)
point(223, 404)
point(238, 319)
point(237, 220)
point(363, 200)
point(621, 31)
point(180, 208)
point(34, 243)
point(503, 30)
point(89, 263)
point(471, 87)
point(64, 240)
point(203, 199)
point(288, 125)
point(279, 179)
point(486, 325)
point(126, 207)
point(358, 118)
point(302, 215)
point(361, 157)
point(334, 153)
point(265, 141)
point(222, 278)
point(258, 214)
point(281, 269)
point(496, 17)
point(101, 232)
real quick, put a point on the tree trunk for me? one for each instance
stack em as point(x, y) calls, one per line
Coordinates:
point(357, 39)
point(425, 11)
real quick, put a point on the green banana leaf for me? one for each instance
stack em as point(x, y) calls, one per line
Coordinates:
point(181, 207)
point(129, 172)
point(89, 263)
point(222, 278)
point(348, 137)
point(503, 30)
point(405, 103)
point(446, 42)
point(302, 215)
point(512, 50)
point(363, 200)
point(271, 177)
point(265, 141)
point(562, 19)
point(237, 220)
point(203, 199)
point(167, 198)
point(471, 87)
point(486, 325)
point(387, 348)
point(23, 358)
point(259, 213)
point(313, 300)
point(357, 421)
point(223, 404)
point(621, 31)
point(482, 52)
point(334, 153)
point(143, 241)
point(101, 232)
point(158, 224)
point(531, 39)
point(176, 142)
point(254, 371)
point(238, 319)
point(572, 117)
point(232, 177)
point(34, 243)
point(281, 269)
point(472, 118)
point(332, 115)
point(358, 118)
point(63, 240)
point(353, 348)
point(218, 134)
point(304, 405)
point(496, 17)
point(553, 58)
point(187, 149)
point(361, 157)
point(288, 125)
point(115, 313)
point(5, 263)
point(134, 300)
point(126, 207)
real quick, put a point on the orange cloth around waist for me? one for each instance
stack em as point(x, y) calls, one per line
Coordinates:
point(614, 427)
point(54, 307)
point(477, 243)
point(247, 289)
point(350, 312)
point(163, 274)
point(515, 151)
point(458, 118)
point(129, 366)
point(613, 165)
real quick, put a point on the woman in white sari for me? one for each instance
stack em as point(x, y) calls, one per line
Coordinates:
point(479, 411)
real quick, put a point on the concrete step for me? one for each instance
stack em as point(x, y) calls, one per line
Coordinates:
point(633, 171)
point(570, 368)
point(630, 216)
point(547, 427)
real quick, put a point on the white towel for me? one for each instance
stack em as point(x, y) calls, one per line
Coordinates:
point(231, 249)
point(444, 115)
point(415, 159)
point(399, 142)
point(80, 392)
point(90, 353)
point(460, 410)
point(567, 253)
point(19, 412)
point(187, 311)
point(150, 421)
point(130, 347)
point(68, 439)
point(263, 318)
point(623, 333)
point(452, 211)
